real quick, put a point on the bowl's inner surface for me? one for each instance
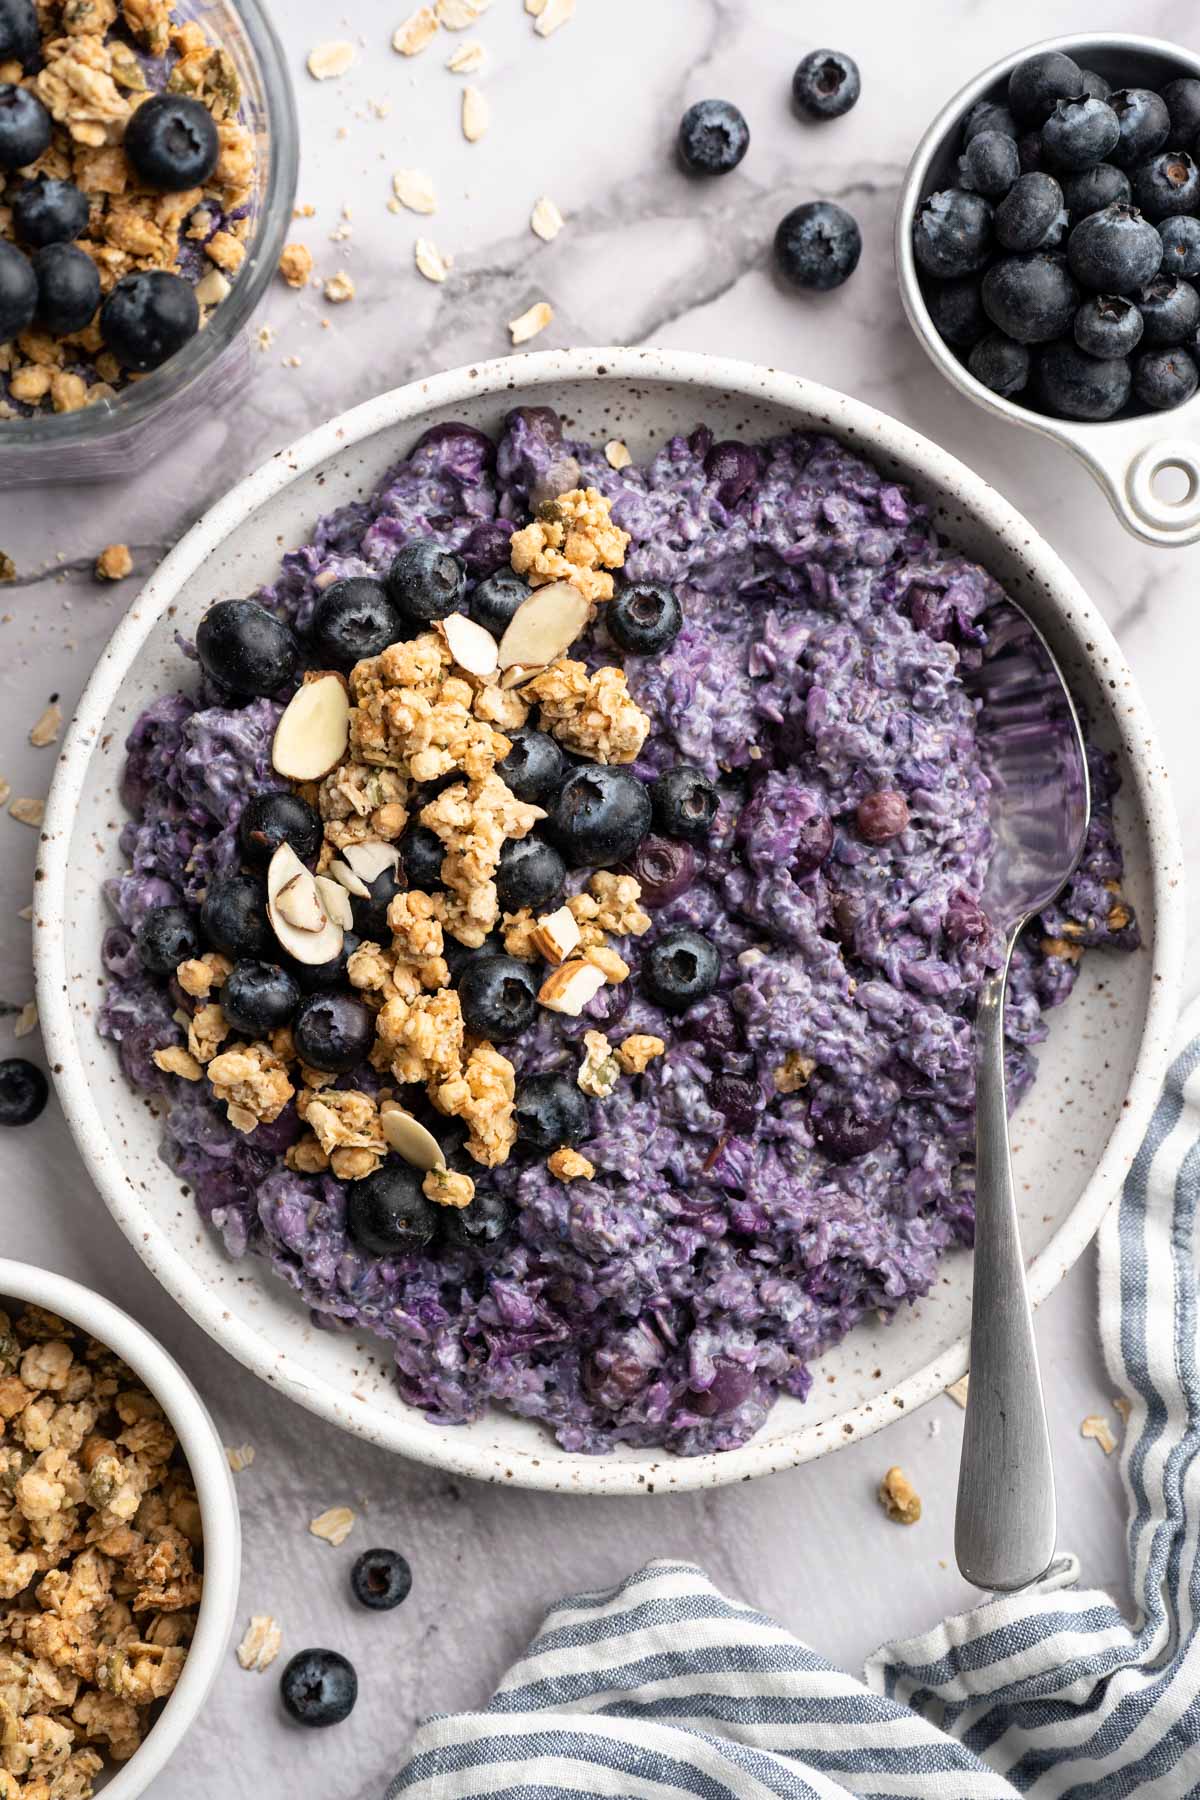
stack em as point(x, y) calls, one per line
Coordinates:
point(1059, 1135)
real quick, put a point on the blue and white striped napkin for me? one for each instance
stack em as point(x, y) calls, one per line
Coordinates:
point(662, 1686)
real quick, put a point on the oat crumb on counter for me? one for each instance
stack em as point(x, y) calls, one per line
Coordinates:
point(239, 1456)
point(899, 1498)
point(476, 115)
point(551, 14)
point(416, 33)
point(27, 811)
point(26, 1020)
point(334, 1525)
point(1122, 1406)
point(46, 726)
point(114, 563)
point(260, 1643)
point(1097, 1426)
point(430, 261)
point(296, 264)
point(327, 61)
point(545, 221)
point(8, 568)
point(340, 287)
point(534, 319)
point(958, 1390)
point(467, 59)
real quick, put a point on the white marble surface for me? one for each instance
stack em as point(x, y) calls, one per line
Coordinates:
point(588, 118)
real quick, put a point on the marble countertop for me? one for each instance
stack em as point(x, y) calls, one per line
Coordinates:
point(646, 257)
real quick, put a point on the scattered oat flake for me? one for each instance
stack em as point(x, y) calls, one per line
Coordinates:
point(260, 1646)
point(460, 15)
point(545, 221)
point(339, 287)
point(536, 319)
point(266, 337)
point(958, 1390)
point(416, 33)
point(5, 791)
point(27, 812)
point(430, 261)
point(1122, 1406)
point(292, 362)
point(616, 454)
point(239, 1456)
point(27, 1019)
point(476, 114)
point(466, 59)
point(1097, 1426)
point(535, 7)
point(26, 912)
point(414, 189)
point(327, 61)
point(114, 563)
point(8, 568)
point(47, 726)
point(334, 1525)
point(553, 14)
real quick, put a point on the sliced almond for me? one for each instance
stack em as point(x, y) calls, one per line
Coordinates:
point(544, 626)
point(556, 935)
point(299, 902)
point(472, 647)
point(414, 188)
point(345, 877)
point(336, 901)
point(518, 674)
point(409, 1138)
point(568, 988)
point(370, 859)
point(313, 735)
point(286, 873)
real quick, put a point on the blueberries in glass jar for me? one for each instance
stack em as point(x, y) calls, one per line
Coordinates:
point(333, 1032)
point(246, 648)
point(713, 138)
point(550, 1111)
point(825, 84)
point(148, 317)
point(496, 599)
point(989, 165)
point(380, 1579)
point(1079, 133)
point(1000, 363)
point(370, 914)
point(172, 142)
point(1074, 385)
point(684, 802)
point(269, 820)
point(259, 997)
point(1181, 245)
point(1091, 190)
point(46, 211)
point(422, 854)
point(1038, 83)
point(1145, 125)
point(1167, 184)
point(387, 1214)
point(952, 233)
point(23, 1091)
point(601, 816)
point(531, 873)
point(738, 1099)
point(165, 937)
point(664, 868)
point(818, 245)
point(19, 37)
point(487, 1221)
point(498, 996)
point(233, 917)
point(644, 617)
point(68, 288)
point(1031, 215)
point(1108, 325)
point(352, 619)
point(847, 1124)
point(425, 581)
point(535, 767)
point(25, 126)
point(1030, 298)
point(881, 816)
point(681, 968)
point(1170, 310)
point(1165, 378)
point(1182, 101)
point(1115, 250)
point(18, 291)
point(988, 115)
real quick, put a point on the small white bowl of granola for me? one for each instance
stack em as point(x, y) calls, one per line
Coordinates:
point(120, 1556)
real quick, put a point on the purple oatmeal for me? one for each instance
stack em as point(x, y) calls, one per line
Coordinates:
point(746, 1165)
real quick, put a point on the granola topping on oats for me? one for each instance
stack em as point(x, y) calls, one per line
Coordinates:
point(253, 1083)
point(636, 1052)
point(593, 715)
point(570, 1165)
point(572, 539)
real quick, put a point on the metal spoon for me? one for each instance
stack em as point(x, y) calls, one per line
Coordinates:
point(1033, 753)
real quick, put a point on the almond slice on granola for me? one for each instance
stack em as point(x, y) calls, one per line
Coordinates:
point(568, 988)
point(409, 1138)
point(296, 913)
point(544, 627)
point(472, 647)
point(556, 935)
point(369, 859)
point(336, 901)
point(312, 736)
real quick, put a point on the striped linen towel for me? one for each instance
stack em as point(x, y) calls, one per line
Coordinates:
point(662, 1686)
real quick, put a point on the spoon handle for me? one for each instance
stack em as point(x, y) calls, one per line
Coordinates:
point(1004, 1529)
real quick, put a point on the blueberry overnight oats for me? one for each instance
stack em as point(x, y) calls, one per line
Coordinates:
point(570, 982)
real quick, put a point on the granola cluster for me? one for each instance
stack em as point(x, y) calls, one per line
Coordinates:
point(99, 1550)
point(573, 539)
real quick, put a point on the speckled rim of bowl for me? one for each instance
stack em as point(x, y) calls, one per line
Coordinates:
point(209, 1466)
point(517, 379)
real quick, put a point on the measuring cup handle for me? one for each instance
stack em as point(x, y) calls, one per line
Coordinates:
point(1127, 474)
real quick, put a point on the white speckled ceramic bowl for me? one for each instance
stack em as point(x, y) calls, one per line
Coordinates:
point(1074, 1137)
point(206, 1459)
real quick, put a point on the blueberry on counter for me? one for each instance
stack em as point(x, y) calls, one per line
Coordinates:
point(23, 1091)
point(601, 816)
point(246, 648)
point(713, 138)
point(333, 1032)
point(681, 968)
point(989, 115)
point(18, 291)
point(1000, 363)
point(817, 246)
point(19, 37)
point(1036, 84)
point(535, 768)
point(952, 233)
point(1182, 101)
point(352, 619)
point(956, 307)
point(825, 84)
point(1032, 215)
point(387, 1214)
point(1115, 250)
point(319, 1687)
point(259, 997)
point(487, 1221)
point(1170, 310)
point(1165, 378)
point(165, 937)
point(684, 802)
point(425, 581)
point(25, 126)
point(531, 873)
point(551, 1111)
point(498, 997)
point(1145, 125)
point(1181, 245)
point(46, 211)
point(269, 820)
point(1074, 385)
point(68, 283)
point(1079, 133)
point(990, 164)
point(1108, 325)
point(496, 599)
point(1090, 190)
point(1030, 298)
point(1166, 184)
point(422, 854)
point(643, 617)
point(381, 1579)
point(172, 142)
point(148, 317)
point(233, 917)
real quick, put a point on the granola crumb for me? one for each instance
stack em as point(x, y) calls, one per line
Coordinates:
point(27, 811)
point(416, 33)
point(296, 264)
point(958, 1390)
point(8, 568)
point(260, 1643)
point(430, 261)
point(572, 539)
point(636, 1052)
point(446, 1187)
point(527, 324)
point(327, 61)
point(545, 221)
point(339, 288)
point(114, 563)
point(899, 1498)
point(175, 1060)
point(334, 1525)
point(239, 1456)
point(568, 1165)
point(793, 1072)
point(47, 726)
point(1097, 1426)
point(600, 1070)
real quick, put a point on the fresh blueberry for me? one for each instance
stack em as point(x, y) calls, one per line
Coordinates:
point(380, 1579)
point(988, 115)
point(1090, 190)
point(1079, 133)
point(425, 581)
point(46, 211)
point(681, 968)
point(989, 164)
point(370, 912)
point(68, 288)
point(1095, 85)
point(601, 816)
point(1073, 385)
point(319, 1687)
point(1108, 325)
point(18, 291)
point(534, 768)
point(881, 816)
point(956, 308)
point(25, 126)
point(825, 84)
point(1115, 250)
point(1166, 184)
point(739, 1100)
point(531, 873)
point(353, 619)
point(1145, 125)
point(496, 599)
point(422, 854)
point(485, 549)
point(487, 1221)
point(663, 868)
point(952, 233)
point(246, 648)
point(1037, 83)
point(319, 978)
point(1000, 363)
point(498, 996)
point(269, 820)
point(713, 137)
point(1031, 215)
point(333, 1032)
point(460, 957)
point(1181, 245)
point(1165, 378)
point(258, 997)
point(233, 917)
point(684, 802)
point(19, 36)
point(23, 1091)
point(172, 142)
point(387, 1214)
point(1030, 298)
point(165, 937)
point(1029, 150)
point(1170, 310)
point(734, 467)
point(644, 617)
point(1182, 101)
point(148, 317)
point(551, 1111)
point(817, 246)
point(847, 1125)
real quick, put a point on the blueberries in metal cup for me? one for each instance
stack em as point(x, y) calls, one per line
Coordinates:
point(354, 618)
point(1095, 85)
point(148, 317)
point(46, 211)
point(1108, 325)
point(956, 308)
point(1170, 310)
point(990, 164)
point(246, 648)
point(1029, 150)
point(25, 126)
point(531, 873)
point(259, 997)
point(1165, 378)
point(825, 84)
point(370, 914)
point(333, 1032)
point(989, 115)
point(23, 1091)
point(680, 968)
point(495, 599)
point(713, 138)
point(1030, 298)
point(644, 617)
point(165, 937)
point(1114, 251)
point(1075, 385)
point(601, 816)
point(425, 581)
point(233, 917)
point(18, 291)
point(68, 288)
point(684, 802)
point(1166, 184)
point(952, 233)
point(1145, 125)
point(1031, 216)
point(1087, 191)
point(319, 1687)
point(551, 1111)
point(1038, 83)
point(535, 766)
point(1181, 246)
point(422, 854)
point(380, 1579)
point(664, 868)
point(817, 246)
point(487, 1221)
point(1079, 133)
point(498, 996)
point(171, 140)
point(387, 1214)
point(881, 816)
point(1000, 363)
point(1182, 101)
point(269, 820)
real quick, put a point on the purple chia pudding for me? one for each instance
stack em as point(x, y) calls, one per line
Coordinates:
point(801, 1155)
